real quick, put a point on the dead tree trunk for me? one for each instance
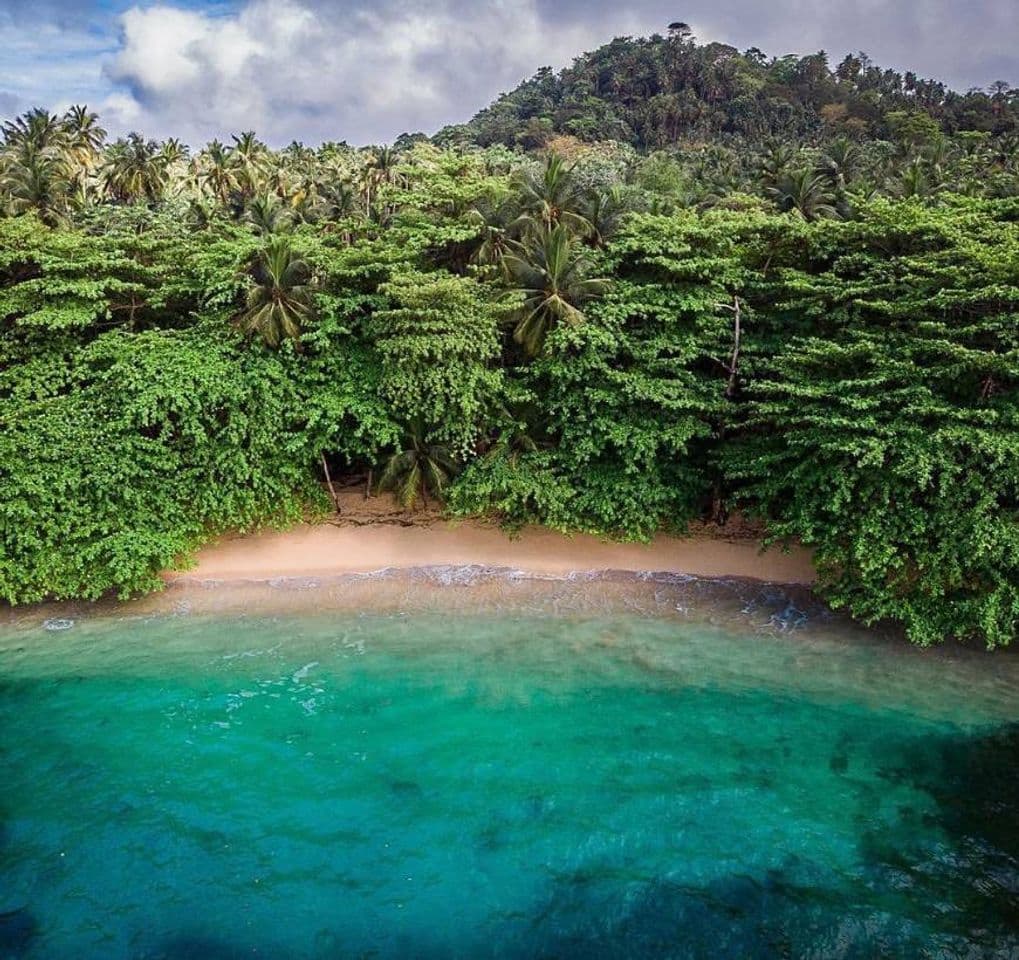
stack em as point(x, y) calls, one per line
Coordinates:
point(737, 331)
point(329, 483)
point(719, 512)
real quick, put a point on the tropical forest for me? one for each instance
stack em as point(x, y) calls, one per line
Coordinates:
point(673, 283)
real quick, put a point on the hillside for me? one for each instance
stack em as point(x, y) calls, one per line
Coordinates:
point(802, 310)
point(652, 92)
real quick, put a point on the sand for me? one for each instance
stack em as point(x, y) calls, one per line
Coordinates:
point(372, 535)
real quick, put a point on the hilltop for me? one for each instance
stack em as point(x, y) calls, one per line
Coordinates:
point(655, 91)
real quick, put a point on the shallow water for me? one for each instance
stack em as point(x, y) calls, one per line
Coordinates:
point(500, 769)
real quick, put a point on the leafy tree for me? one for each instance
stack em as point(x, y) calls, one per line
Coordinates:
point(56, 281)
point(885, 436)
point(129, 452)
point(438, 338)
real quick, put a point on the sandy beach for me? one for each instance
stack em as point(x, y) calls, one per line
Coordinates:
point(371, 535)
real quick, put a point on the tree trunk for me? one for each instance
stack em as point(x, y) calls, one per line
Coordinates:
point(730, 389)
point(329, 483)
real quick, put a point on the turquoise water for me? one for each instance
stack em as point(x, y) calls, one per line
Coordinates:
point(489, 783)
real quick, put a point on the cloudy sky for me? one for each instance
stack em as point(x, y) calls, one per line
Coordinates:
point(367, 70)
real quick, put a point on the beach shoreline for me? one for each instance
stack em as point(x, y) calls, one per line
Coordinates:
point(370, 535)
point(375, 556)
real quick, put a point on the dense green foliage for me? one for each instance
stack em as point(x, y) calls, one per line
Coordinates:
point(820, 331)
point(887, 432)
point(651, 92)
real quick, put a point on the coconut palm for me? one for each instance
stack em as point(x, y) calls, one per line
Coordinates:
point(134, 170)
point(36, 179)
point(83, 129)
point(418, 468)
point(840, 163)
point(549, 195)
point(604, 211)
point(249, 157)
point(218, 174)
point(549, 269)
point(915, 181)
point(776, 162)
point(804, 192)
point(385, 160)
point(83, 144)
point(495, 215)
point(37, 128)
point(201, 212)
point(173, 151)
point(336, 199)
point(513, 438)
point(279, 301)
point(266, 214)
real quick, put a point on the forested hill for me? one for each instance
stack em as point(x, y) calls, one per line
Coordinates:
point(655, 91)
point(806, 310)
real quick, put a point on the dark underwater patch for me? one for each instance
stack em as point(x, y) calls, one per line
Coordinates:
point(18, 930)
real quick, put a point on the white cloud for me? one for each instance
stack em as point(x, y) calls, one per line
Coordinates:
point(366, 70)
point(292, 70)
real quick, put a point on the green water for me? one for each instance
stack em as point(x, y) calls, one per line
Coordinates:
point(492, 784)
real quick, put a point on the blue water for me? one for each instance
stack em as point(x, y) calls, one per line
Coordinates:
point(503, 785)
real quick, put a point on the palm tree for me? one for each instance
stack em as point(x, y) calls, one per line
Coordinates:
point(266, 214)
point(804, 192)
point(83, 129)
point(840, 163)
point(36, 179)
point(548, 268)
point(336, 199)
point(419, 468)
point(776, 162)
point(279, 302)
point(37, 128)
point(84, 142)
point(604, 211)
point(385, 160)
point(218, 175)
point(304, 205)
point(495, 216)
point(915, 181)
point(513, 439)
point(248, 157)
point(550, 195)
point(173, 151)
point(134, 170)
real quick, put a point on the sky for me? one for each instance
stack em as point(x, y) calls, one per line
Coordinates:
point(367, 70)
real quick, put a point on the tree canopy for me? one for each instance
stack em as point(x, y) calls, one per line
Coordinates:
point(672, 282)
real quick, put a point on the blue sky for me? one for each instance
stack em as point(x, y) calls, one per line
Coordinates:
point(367, 70)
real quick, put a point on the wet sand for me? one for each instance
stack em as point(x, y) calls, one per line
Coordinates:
point(371, 536)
